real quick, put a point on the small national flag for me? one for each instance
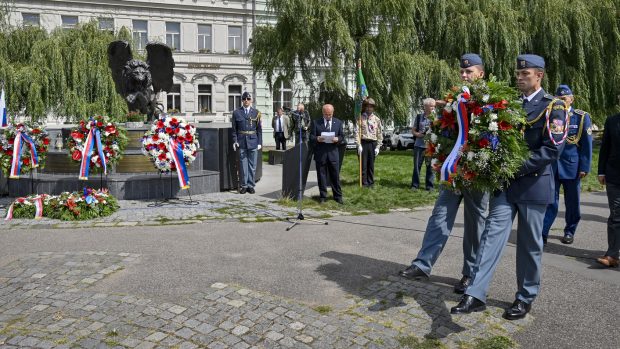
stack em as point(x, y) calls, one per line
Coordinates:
point(4, 122)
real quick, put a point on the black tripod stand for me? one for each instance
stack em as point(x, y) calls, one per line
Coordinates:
point(300, 191)
point(172, 200)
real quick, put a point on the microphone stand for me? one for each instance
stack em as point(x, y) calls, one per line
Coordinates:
point(300, 191)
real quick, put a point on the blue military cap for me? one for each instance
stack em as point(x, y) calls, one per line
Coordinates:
point(470, 59)
point(246, 94)
point(530, 61)
point(563, 90)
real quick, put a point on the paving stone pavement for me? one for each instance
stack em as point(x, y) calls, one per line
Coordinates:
point(46, 301)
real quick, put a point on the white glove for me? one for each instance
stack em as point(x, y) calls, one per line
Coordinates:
point(376, 151)
point(259, 146)
point(359, 149)
point(235, 146)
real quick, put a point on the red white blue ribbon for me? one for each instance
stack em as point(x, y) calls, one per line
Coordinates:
point(16, 162)
point(38, 207)
point(176, 151)
point(93, 139)
point(4, 120)
point(450, 164)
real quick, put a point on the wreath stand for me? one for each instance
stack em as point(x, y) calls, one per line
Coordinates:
point(172, 200)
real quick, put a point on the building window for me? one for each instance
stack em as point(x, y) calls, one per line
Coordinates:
point(106, 24)
point(282, 95)
point(174, 99)
point(173, 35)
point(234, 40)
point(140, 34)
point(204, 98)
point(69, 22)
point(204, 38)
point(234, 97)
point(31, 19)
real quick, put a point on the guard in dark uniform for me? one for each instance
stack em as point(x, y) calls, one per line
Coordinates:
point(571, 167)
point(527, 196)
point(247, 136)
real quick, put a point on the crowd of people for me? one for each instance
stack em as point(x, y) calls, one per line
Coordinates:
point(559, 138)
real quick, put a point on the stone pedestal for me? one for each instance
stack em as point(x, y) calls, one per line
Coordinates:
point(276, 157)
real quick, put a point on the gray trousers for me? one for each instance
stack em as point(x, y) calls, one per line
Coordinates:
point(493, 241)
point(440, 225)
point(613, 223)
point(248, 166)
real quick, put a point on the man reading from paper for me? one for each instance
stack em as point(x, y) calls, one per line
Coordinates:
point(326, 135)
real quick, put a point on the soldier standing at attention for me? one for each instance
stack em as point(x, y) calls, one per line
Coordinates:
point(571, 167)
point(527, 196)
point(247, 136)
point(442, 219)
point(369, 135)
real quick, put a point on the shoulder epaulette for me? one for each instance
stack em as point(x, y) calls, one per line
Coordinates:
point(548, 96)
point(580, 112)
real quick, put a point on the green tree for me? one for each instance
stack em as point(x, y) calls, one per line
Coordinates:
point(410, 49)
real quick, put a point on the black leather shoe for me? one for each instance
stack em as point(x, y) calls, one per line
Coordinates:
point(251, 190)
point(518, 310)
point(339, 200)
point(242, 191)
point(567, 239)
point(468, 304)
point(544, 241)
point(321, 200)
point(413, 272)
point(462, 285)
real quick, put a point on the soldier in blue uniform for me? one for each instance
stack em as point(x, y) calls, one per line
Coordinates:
point(527, 196)
point(247, 136)
point(442, 219)
point(571, 167)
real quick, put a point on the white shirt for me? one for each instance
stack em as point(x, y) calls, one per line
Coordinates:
point(530, 97)
point(278, 124)
point(328, 124)
point(247, 111)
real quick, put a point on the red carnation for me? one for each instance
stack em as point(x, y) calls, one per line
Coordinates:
point(501, 105)
point(155, 137)
point(77, 135)
point(177, 130)
point(76, 155)
point(169, 130)
point(162, 156)
point(180, 139)
point(189, 139)
point(162, 146)
point(483, 143)
point(36, 131)
point(504, 125)
point(173, 166)
point(11, 140)
point(26, 161)
point(477, 110)
point(46, 141)
point(173, 121)
point(188, 127)
point(9, 152)
point(99, 124)
point(110, 129)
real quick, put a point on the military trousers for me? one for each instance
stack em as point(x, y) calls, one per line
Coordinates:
point(572, 188)
point(613, 223)
point(441, 222)
point(248, 166)
point(494, 239)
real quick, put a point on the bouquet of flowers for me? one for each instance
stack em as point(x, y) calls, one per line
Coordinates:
point(169, 136)
point(475, 141)
point(104, 141)
point(22, 148)
point(87, 204)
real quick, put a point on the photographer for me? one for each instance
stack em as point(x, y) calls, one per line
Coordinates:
point(300, 118)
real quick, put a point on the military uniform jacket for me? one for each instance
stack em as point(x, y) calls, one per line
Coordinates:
point(246, 129)
point(534, 182)
point(577, 153)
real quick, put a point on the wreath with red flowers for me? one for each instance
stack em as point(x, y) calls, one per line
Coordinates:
point(113, 141)
point(41, 142)
point(155, 143)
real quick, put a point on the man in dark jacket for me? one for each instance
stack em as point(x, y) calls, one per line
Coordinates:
point(609, 175)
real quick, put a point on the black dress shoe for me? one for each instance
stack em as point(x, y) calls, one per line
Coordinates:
point(321, 200)
point(518, 310)
point(413, 272)
point(468, 304)
point(544, 241)
point(462, 285)
point(567, 239)
point(242, 191)
point(339, 200)
point(251, 190)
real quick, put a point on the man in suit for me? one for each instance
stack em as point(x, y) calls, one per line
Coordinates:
point(527, 196)
point(571, 167)
point(326, 154)
point(441, 222)
point(609, 175)
point(280, 125)
point(248, 138)
point(300, 120)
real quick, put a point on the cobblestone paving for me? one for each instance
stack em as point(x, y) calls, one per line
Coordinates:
point(47, 301)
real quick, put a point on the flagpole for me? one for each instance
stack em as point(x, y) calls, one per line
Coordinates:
point(359, 131)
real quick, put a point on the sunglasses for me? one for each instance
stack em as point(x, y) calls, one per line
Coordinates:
point(247, 99)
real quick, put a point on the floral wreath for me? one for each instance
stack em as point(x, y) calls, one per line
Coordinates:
point(475, 141)
point(167, 130)
point(30, 135)
point(112, 139)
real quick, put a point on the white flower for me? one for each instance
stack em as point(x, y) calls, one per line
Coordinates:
point(470, 155)
point(485, 98)
point(182, 132)
point(448, 108)
point(433, 138)
point(94, 159)
point(493, 126)
point(493, 116)
point(438, 147)
point(476, 120)
point(167, 122)
point(115, 147)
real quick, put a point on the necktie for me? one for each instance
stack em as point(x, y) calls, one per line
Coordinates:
point(280, 124)
point(246, 112)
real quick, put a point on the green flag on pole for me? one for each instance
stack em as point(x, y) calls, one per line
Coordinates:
point(360, 92)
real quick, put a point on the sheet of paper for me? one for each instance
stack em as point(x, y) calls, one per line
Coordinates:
point(328, 137)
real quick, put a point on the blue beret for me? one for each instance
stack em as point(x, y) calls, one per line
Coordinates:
point(470, 59)
point(246, 95)
point(530, 61)
point(563, 90)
